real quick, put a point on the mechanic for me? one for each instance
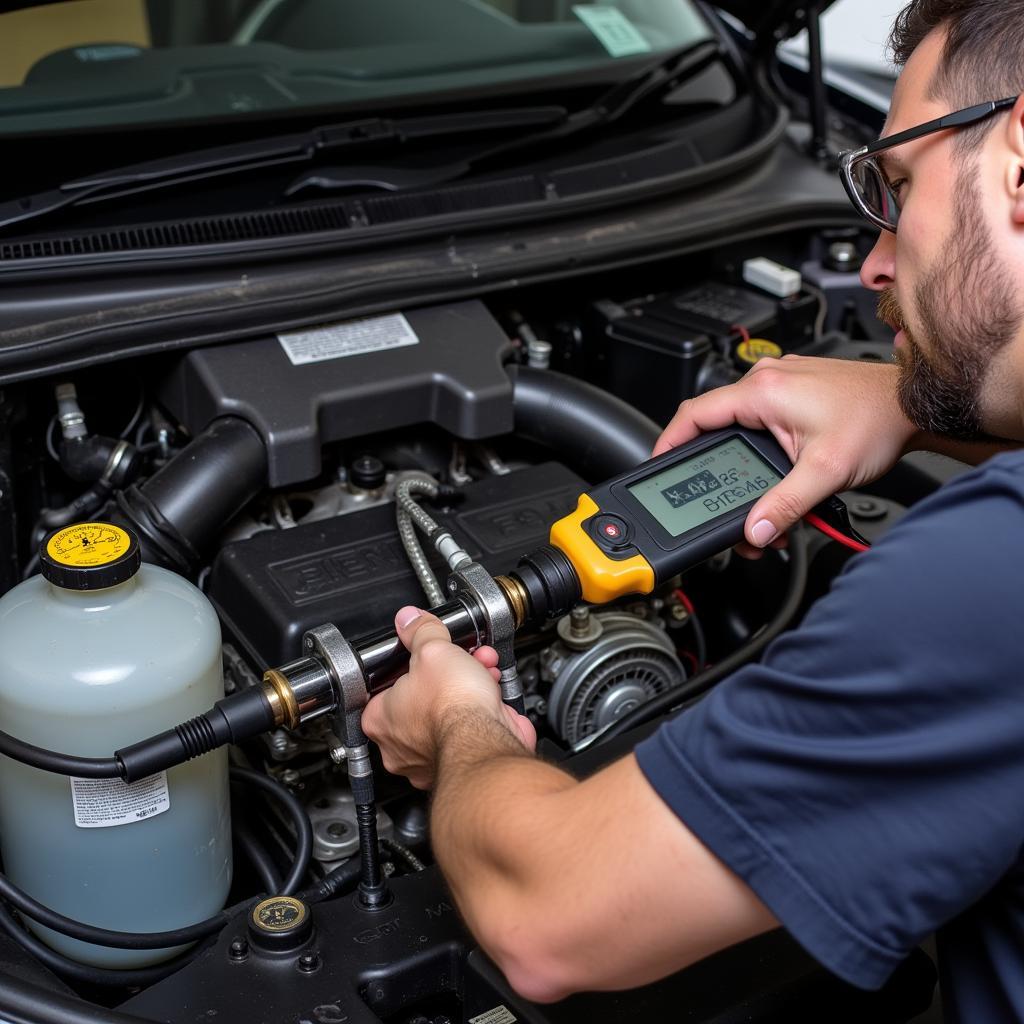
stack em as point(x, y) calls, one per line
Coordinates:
point(864, 785)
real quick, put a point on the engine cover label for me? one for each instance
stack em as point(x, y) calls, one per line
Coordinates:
point(499, 1015)
point(103, 803)
point(352, 338)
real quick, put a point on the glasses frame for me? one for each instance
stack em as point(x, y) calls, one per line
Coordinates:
point(849, 159)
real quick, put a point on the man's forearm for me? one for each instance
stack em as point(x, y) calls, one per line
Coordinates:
point(487, 818)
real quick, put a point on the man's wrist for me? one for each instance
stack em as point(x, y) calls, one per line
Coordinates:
point(468, 733)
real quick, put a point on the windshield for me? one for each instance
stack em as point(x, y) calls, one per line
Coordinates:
point(109, 63)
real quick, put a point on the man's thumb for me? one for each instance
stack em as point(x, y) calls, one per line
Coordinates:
point(782, 507)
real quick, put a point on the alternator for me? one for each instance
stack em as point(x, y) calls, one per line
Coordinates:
point(619, 661)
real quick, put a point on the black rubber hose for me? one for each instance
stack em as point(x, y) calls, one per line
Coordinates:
point(60, 764)
point(21, 1002)
point(231, 720)
point(85, 973)
point(341, 879)
point(699, 684)
point(32, 908)
point(300, 821)
point(259, 860)
point(182, 508)
point(597, 434)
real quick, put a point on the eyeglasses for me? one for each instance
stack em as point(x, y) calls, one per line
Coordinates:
point(866, 182)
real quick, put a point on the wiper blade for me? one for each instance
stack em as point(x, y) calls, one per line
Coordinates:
point(297, 147)
point(662, 76)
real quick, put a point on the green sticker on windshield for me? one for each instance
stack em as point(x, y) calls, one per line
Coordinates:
point(616, 33)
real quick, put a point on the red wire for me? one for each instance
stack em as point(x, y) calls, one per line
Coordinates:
point(830, 531)
point(742, 331)
point(684, 600)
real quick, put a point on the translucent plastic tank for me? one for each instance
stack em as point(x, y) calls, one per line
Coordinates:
point(133, 651)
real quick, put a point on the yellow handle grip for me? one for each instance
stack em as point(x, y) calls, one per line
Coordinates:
point(602, 579)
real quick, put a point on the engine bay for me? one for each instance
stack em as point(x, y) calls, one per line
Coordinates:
point(265, 471)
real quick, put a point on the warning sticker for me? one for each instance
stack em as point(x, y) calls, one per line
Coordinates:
point(102, 803)
point(499, 1015)
point(371, 334)
point(614, 31)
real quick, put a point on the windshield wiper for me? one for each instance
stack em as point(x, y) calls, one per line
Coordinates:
point(655, 79)
point(298, 147)
point(556, 124)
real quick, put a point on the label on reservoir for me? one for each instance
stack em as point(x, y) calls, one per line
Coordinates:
point(103, 803)
point(614, 31)
point(372, 334)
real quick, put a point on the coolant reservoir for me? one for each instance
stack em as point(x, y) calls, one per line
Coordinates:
point(97, 652)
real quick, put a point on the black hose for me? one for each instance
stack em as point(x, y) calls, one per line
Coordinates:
point(188, 934)
point(341, 879)
point(300, 821)
point(182, 508)
point(84, 973)
point(699, 684)
point(21, 1002)
point(597, 434)
point(61, 764)
point(259, 859)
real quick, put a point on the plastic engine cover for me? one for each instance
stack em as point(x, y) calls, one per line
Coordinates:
point(353, 571)
point(304, 389)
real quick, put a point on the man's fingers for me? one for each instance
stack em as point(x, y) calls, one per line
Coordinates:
point(782, 507)
point(487, 656)
point(713, 410)
point(416, 627)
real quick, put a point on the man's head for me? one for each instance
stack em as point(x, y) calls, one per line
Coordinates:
point(950, 275)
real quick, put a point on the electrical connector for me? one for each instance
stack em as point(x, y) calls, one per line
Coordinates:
point(772, 277)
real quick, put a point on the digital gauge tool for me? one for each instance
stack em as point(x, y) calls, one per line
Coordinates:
point(646, 526)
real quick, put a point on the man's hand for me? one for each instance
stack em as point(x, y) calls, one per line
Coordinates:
point(444, 684)
point(838, 420)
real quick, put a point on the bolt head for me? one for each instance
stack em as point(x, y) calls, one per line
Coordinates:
point(339, 755)
point(309, 962)
point(238, 950)
point(452, 586)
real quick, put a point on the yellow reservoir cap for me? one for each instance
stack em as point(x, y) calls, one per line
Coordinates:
point(602, 579)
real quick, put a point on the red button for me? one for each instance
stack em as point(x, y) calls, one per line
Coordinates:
point(611, 531)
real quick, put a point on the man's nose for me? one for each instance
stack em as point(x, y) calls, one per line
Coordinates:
point(878, 271)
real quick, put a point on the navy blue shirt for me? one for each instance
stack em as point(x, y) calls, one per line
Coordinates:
point(867, 778)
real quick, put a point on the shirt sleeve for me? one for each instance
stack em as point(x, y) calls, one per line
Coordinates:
point(867, 778)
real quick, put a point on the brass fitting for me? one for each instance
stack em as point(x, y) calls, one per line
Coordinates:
point(281, 698)
point(515, 594)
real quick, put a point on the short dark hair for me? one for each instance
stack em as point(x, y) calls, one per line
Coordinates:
point(983, 55)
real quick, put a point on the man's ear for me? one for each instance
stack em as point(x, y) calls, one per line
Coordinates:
point(1015, 163)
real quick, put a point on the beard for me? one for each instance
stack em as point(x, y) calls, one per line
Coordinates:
point(968, 312)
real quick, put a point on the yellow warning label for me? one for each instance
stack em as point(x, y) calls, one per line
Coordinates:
point(88, 544)
point(757, 348)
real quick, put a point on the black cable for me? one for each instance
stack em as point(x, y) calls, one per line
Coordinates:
point(61, 764)
point(22, 1002)
point(300, 821)
point(84, 973)
point(259, 859)
point(701, 641)
point(341, 879)
point(699, 684)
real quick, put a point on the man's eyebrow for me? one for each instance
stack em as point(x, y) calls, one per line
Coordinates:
point(892, 166)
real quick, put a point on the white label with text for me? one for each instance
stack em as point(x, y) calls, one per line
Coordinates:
point(103, 803)
point(372, 334)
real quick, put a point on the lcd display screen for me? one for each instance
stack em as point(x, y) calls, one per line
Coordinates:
point(705, 487)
